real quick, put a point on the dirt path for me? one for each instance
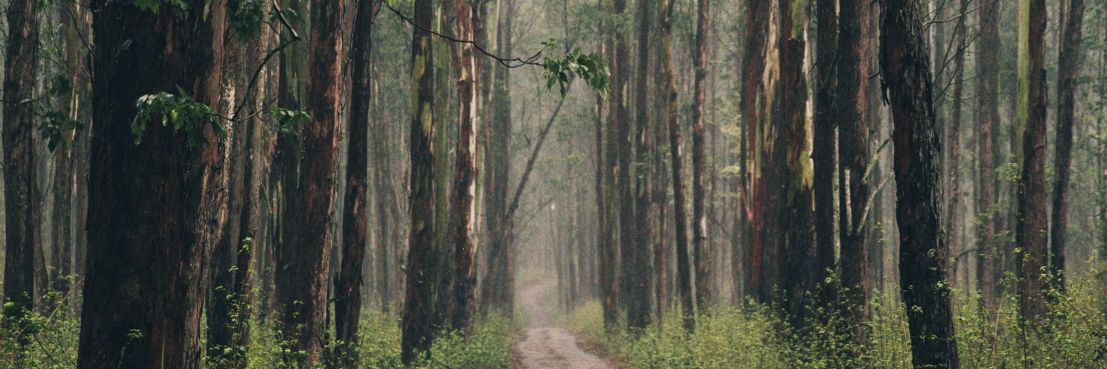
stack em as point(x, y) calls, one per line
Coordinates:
point(546, 346)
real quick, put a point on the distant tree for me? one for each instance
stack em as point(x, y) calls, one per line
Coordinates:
point(907, 85)
point(986, 115)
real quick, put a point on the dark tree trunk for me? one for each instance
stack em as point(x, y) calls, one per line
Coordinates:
point(987, 119)
point(177, 202)
point(923, 253)
point(827, 57)
point(640, 276)
point(853, 94)
point(20, 68)
point(304, 259)
point(790, 234)
point(1031, 229)
point(753, 65)
point(463, 195)
point(684, 274)
point(418, 309)
point(355, 223)
point(1068, 67)
point(705, 285)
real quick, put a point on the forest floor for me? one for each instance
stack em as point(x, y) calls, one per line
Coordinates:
point(547, 346)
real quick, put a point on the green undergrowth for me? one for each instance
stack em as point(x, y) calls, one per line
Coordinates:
point(53, 342)
point(1074, 335)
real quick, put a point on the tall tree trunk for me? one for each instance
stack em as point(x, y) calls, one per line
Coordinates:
point(640, 277)
point(177, 204)
point(753, 66)
point(1032, 226)
point(952, 140)
point(705, 286)
point(789, 236)
point(497, 289)
point(823, 152)
point(923, 253)
point(20, 68)
point(463, 196)
point(1068, 62)
point(355, 224)
point(987, 119)
point(418, 311)
point(684, 274)
point(304, 261)
point(853, 92)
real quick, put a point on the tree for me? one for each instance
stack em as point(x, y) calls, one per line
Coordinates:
point(1031, 233)
point(304, 258)
point(907, 86)
point(498, 288)
point(463, 195)
point(20, 67)
point(1068, 67)
point(142, 304)
point(684, 275)
point(705, 289)
point(753, 66)
point(417, 326)
point(824, 143)
point(639, 285)
point(355, 224)
point(987, 118)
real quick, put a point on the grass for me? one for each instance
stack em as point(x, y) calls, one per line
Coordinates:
point(54, 341)
point(1074, 335)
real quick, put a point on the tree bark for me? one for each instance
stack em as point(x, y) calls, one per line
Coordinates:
point(923, 254)
point(355, 224)
point(463, 195)
point(176, 204)
point(684, 274)
point(1068, 67)
point(705, 286)
point(987, 118)
point(304, 261)
point(753, 66)
point(640, 283)
point(827, 56)
point(497, 289)
point(20, 69)
point(1031, 231)
point(417, 326)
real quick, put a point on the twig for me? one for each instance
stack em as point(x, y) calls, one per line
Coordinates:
point(505, 61)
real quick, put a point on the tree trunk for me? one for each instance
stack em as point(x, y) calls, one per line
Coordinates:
point(753, 66)
point(20, 68)
point(987, 119)
point(705, 286)
point(640, 277)
point(355, 224)
point(177, 204)
point(418, 303)
point(684, 275)
point(497, 292)
point(463, 196)
point(1068, 62)
point(923, 253)
point(304, 261)
point(827, 57)
point(1032, 226)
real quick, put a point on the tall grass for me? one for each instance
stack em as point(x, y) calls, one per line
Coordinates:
point(1074, 335)
point(54, 340)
